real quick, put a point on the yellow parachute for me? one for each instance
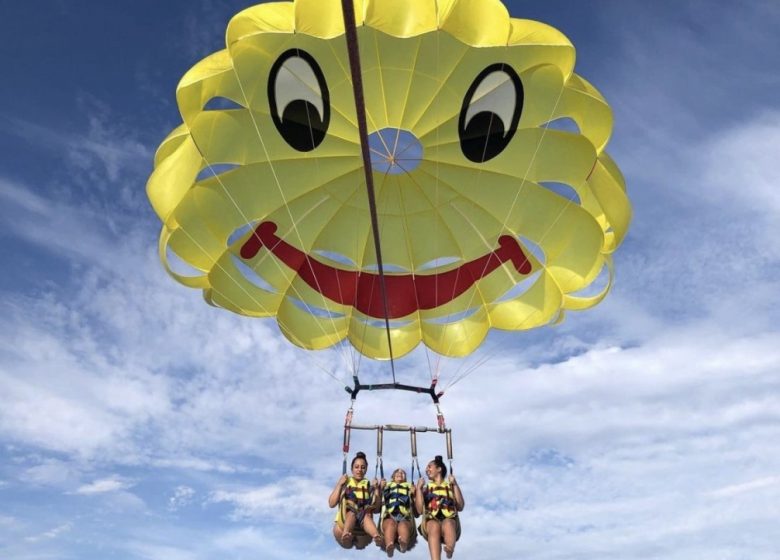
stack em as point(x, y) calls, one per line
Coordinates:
point(262, 189)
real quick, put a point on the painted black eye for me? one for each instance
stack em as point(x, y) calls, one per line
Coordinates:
point(299, 100)
point(490, 113)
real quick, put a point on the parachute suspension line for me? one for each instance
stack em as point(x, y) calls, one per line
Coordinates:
point(349, 350)
point(461, 375)
point(525, 175)
point(433, 373)
point(506, 219)
point(371, 297)
point(433, 368)
point(348, 11)
point(344, 353)
point(473, 368)
point(248, 222)
point(243, 289)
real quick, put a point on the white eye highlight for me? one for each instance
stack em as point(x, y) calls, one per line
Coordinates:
point(496, 94)
point(296, 80)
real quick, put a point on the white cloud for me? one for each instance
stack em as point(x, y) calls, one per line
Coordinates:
point(103, 485)
point(90, 404)
point(51, 533)
point(290, 500)
point(750, 486)
point(739, 167)
point(50, 472)
point(62, 229)
point(182, 496)
point(105, 152)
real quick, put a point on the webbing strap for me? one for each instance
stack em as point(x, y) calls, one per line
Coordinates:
point(347, 434)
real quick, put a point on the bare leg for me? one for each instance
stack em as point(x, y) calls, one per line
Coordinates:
point(404, 535)
point(449, 528)
point(434, 538)
point(370, 527)
point(349, 524)
point(338, 533)
point(389, 529)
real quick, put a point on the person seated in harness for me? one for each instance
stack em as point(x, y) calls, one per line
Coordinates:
point(398, 512)
point(440, 500)
point(357, 500)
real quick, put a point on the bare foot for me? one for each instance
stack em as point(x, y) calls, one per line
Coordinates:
point(401, 545)
point(448, 550)
point(378, 540)
point(346, 539)
point(390, 549)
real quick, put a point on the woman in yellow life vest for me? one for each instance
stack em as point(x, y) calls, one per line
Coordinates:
point(439, 500)
point(357, 500)
point(398, 512)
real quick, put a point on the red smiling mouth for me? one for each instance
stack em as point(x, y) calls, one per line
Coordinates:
point(406, 293)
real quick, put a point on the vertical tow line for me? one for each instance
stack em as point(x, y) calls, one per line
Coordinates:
point(348, 9)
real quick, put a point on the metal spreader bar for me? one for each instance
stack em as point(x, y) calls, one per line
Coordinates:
point(353, 391)
point(398, 428)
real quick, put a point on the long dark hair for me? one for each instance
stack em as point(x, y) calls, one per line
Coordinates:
point(439, 462)
point(361, 455)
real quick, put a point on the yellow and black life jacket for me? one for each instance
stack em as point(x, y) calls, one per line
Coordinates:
point(440, 500)
point(397, 498)
point(356, 497)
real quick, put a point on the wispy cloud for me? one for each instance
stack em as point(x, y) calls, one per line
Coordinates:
point(276, 502)
point(103, 147)
point(103, 485)
point(750, 486)
point(182, 496)
point(99, 169)
point(49, 472)
point(739, 168)
point(51, 533)
point(64, 230)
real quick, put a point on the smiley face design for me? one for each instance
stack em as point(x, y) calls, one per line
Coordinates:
point(497, 205)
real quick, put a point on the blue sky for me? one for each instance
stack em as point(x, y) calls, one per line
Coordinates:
point(137, 423)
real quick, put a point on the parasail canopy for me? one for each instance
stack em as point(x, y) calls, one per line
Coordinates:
point(496, 203)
